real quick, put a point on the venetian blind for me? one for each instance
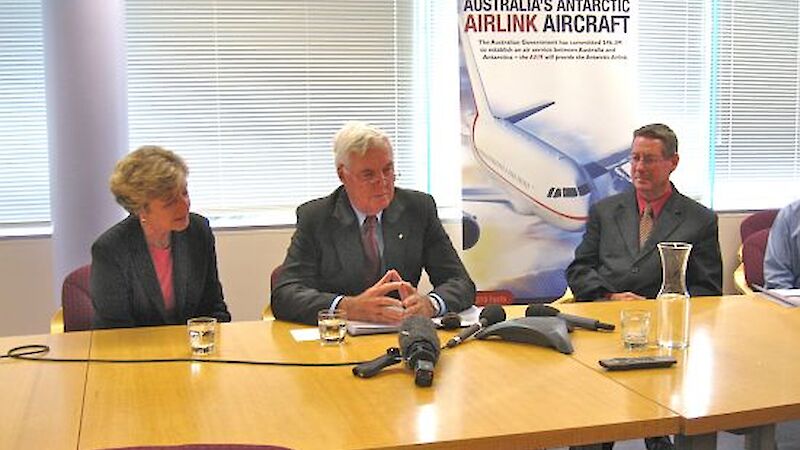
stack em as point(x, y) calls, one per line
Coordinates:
point(756, 154)
point(252, 92)
point(24, 188)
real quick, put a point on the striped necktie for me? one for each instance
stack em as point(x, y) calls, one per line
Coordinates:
point(372, 262)
point(645, 225)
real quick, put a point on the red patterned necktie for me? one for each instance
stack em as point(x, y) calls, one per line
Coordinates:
point(645, 225)
point(369, 238)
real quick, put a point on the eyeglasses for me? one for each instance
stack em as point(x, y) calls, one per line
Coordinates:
point(645, 160)
point(370, 177)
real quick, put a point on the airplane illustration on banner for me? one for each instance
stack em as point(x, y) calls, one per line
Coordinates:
point(537, 177)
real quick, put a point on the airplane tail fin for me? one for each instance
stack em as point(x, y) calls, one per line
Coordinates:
point(481, 101)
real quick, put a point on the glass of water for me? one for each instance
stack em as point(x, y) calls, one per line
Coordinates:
point(202, 334)
point(635, 328)
point(332, 326)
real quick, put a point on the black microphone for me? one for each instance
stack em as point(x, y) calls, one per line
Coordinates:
point(536, 310)
point(419, 345)
point(450, 321)
point(490, 315)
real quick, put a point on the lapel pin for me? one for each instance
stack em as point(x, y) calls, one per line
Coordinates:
point(400, 236)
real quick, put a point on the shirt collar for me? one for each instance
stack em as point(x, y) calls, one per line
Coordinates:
point(656, 205)
point(363, 216)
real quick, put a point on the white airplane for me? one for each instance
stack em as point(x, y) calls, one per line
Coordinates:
point(537, 177)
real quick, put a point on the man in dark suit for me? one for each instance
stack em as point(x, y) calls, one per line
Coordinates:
point(362, 248)
point(618, 258)
point(611, 263)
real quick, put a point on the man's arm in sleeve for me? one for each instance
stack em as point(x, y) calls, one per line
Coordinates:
point(705, 262)
point(582, 276)
point(778, 256)
point(452, 284)
point(295, 297)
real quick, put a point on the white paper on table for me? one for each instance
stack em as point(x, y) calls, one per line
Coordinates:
point(305, 334)
point(355, 328)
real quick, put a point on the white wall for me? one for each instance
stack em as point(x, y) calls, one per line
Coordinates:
point(246, 258)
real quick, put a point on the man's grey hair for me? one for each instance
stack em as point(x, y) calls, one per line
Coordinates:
point(663, 133)
point(357, 137)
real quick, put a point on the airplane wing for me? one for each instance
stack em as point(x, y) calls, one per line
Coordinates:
point(527, 112)
point(608, 164)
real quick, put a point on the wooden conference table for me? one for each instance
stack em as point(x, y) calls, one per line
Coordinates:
point(739, 371)
point(485, 394)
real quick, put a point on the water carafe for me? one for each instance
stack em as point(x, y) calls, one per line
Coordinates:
point(673, 298)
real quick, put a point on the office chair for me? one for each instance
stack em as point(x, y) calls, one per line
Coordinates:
point(566, 297)
point(76, 312)
point(266, 314)
point(754, 232)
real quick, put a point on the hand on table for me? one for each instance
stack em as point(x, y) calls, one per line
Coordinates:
point(626, 296)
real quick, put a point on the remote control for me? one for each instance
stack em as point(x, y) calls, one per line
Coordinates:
point(639, 362)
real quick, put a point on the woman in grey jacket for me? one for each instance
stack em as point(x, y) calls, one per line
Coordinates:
point(159, 265)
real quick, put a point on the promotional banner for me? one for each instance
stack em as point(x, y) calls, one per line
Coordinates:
point(547, 100)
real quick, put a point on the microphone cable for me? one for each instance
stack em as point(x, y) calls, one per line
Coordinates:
point(35, 352)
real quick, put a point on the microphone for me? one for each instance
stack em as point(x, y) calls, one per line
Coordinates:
point(450, 321)
point(536, 310)
point(419, 345)
point(490, 315)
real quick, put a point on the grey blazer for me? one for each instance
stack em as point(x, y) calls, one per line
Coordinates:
point(124, 287)
point(609, 260)
point(325, 258)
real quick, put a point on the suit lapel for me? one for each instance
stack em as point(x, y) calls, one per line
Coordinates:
point(395, 231)
point(347, 240)
point(146, 271)
point(627, 218)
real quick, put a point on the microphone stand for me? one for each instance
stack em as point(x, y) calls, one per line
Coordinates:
point(370, 368)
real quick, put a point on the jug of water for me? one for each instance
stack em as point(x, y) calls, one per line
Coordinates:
point(673, 298)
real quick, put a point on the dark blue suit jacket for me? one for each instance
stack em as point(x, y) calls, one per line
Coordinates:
point(326, 259)
point(124, 287)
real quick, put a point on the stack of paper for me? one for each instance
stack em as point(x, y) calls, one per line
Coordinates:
point(354, 327)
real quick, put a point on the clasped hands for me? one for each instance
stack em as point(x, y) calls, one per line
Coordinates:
point(375, 305)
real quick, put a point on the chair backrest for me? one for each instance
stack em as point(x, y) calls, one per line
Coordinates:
point(76, 300)
point(754, 231)
point(760, 220)
point(498, 297)
point(273, 277)
point(753, 249)
point(266, 313)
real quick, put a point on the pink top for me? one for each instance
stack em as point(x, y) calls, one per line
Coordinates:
point(162, 260)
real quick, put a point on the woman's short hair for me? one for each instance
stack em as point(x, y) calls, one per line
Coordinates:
point(145, 174)
point(357, 137)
